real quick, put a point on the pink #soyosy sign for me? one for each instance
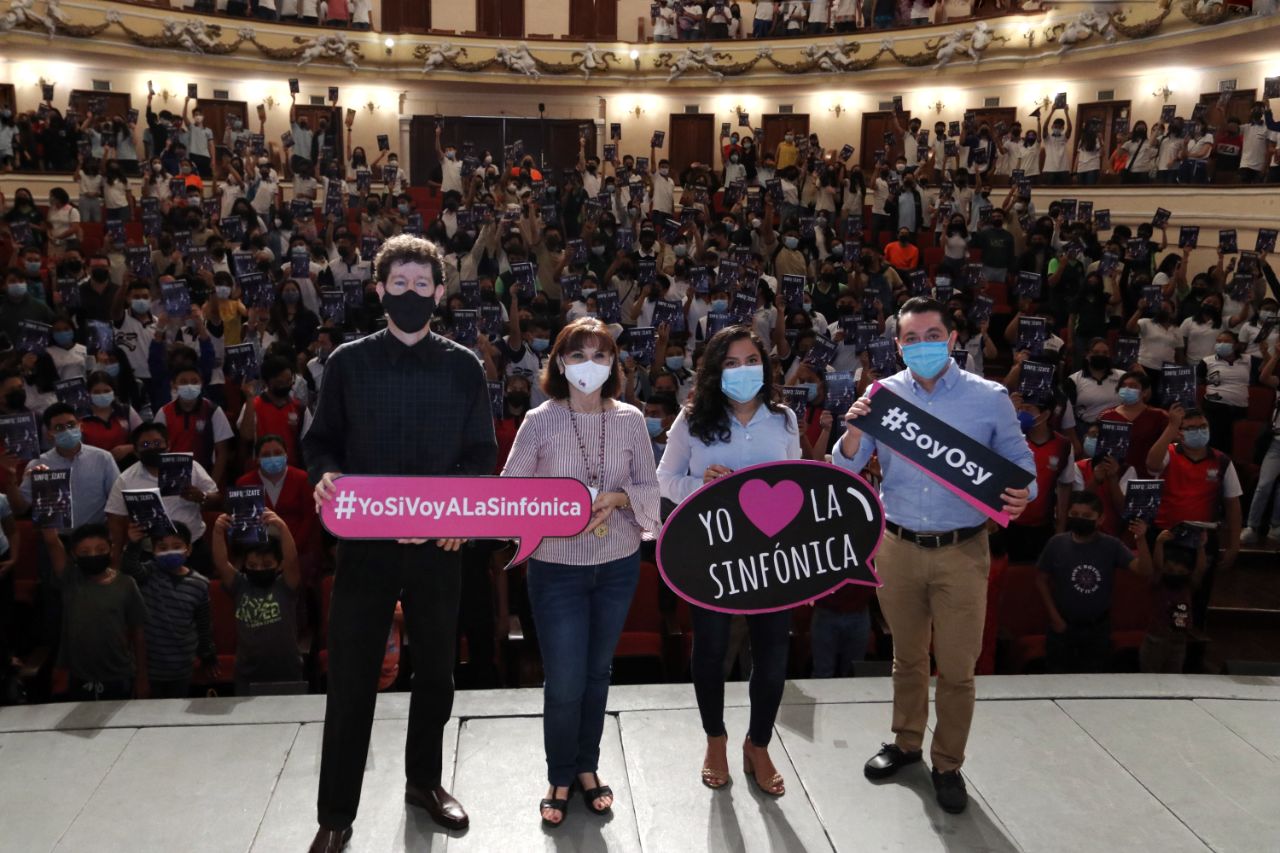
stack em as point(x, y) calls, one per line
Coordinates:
point(526, 508)
point(772, 537)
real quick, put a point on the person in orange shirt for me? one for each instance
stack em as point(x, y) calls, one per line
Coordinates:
point(902, 254)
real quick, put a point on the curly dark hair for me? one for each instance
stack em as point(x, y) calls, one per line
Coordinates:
point(708, 408)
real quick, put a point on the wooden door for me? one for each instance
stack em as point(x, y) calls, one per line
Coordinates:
point(500, 18)
point(874, 127)
point(216, 113)
point(8, 99)
point(690, 139)
point(1238, 105)
point(1105, 115)
point(405, 16)
point(116, 104)
point(561, 144)
point(778, 125)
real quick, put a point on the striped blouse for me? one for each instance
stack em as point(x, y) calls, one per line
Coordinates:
point(547, 446)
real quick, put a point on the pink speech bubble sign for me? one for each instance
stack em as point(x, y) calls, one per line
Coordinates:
point(526, 508)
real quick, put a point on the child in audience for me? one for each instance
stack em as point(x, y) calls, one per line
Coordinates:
point(178, 628)
point(263, 584)
point(660, 412)
point(1077, 583)
point(1178, 571)
point(102, 618)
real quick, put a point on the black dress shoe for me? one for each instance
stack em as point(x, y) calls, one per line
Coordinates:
point(330, 840)
point(889, 760)
point(949, 787)
point(442, 807)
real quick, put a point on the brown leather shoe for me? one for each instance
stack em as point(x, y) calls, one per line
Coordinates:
point(330, 840)
point(442, 807)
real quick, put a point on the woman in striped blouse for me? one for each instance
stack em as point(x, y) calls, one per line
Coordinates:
point(733, 420)
point(581, 587)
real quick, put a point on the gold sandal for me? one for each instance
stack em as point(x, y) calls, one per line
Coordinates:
point(775, 787)
point(714, 779)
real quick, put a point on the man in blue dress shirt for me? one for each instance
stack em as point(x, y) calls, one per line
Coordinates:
point(934, 558)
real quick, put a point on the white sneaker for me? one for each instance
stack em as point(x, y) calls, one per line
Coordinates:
point(1249, 536)
point(1273, 538)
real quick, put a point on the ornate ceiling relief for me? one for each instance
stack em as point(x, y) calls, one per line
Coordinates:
point(965, 45)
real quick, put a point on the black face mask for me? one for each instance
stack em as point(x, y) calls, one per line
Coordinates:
point(95, 565)
point(1082, 526)
point(1175, 581)
point(100, 276)
point(16, 399)
point(1099, 362)
point(409, 311)
point(280, 393)
point(262, 578)
point(150, 458)
point(518, 401)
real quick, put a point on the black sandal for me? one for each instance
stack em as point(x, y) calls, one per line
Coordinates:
point(589, 797)
point(559, 805)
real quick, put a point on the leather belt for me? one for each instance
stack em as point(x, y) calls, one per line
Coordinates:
point(934, 540)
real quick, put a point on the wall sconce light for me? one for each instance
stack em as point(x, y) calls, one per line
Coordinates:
point(837, 109)
point(1164, 93)
point(1044, 104)
point(635, 57)
point(268, 100)
point(388, 44)
point(371, 106)
point(636, 111)
point(739, 110)
point(938, 106)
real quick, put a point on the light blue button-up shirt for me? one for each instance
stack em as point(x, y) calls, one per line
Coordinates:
point(93, 473)
point(976, 407)
point(768, 437)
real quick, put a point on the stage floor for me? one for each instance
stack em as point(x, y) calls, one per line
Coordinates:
point(1104, 763)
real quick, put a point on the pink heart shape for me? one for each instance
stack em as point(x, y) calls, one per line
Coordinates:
point(770, 508)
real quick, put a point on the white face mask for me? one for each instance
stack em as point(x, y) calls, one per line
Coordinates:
point(587, 376)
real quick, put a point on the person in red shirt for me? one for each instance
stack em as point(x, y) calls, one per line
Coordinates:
point(1055, 474)
point(196, 425)
point(110, 421)
point(515, 405)
point(275, 411)
point(1201, 487)
point(1148, 422)
point(1102, 478)
point(287, 493)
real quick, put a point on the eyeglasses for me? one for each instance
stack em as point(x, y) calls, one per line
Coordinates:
point(151, 445)
point(65, 426)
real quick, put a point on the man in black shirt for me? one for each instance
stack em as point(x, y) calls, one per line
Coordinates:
point(400, 401)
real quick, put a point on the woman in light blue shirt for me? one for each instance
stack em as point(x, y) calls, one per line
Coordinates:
point(732, 421)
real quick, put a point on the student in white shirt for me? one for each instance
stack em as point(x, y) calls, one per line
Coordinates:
point(361, 14)
point(819, 15)
point(1169, 148)
point(450, 166)
point(1194, 168)
point(664, 24)
point(1088, 163)
point(1057, 158)
point(1142, 153)
point(1258, 143)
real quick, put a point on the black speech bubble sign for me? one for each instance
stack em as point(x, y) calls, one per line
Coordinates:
point(772, 537)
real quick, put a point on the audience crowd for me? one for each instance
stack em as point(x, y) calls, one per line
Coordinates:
point(192, 311)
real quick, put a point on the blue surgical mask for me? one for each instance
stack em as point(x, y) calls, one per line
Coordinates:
point(273, 465)
point(17, 289)
point(67, 440)
point(927, 359)
point(680, 249)
point(112, 369)
point(1129, 396)
point(170, 561)
point(1090, 446)
point(675, 362)
point(64, 339)
point(189, 392)
point(791, 242)
point(810, 390)
point(719, 304)
point(587, 293)
point(654, 426)
point(101, 401)
point(140, 306)
point(1026, 421)
point(33, 268)
point(223, 292)
point(1196, 438)
point(741, 384)
point(1223, 349)
point(403, 208)
point(540, 344)
point(291, 297)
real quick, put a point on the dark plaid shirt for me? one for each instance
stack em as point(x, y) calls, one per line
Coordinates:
point(386, 408)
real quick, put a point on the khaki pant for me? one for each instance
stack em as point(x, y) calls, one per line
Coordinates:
point(938, 595)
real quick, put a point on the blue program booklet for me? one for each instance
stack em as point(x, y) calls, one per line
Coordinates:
point(247, 505)
point(51, 499)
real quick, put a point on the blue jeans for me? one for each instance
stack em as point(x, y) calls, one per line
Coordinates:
point(1088, 178)
point(579, 612)
point(760, 29)
point(770, 639)
point(1267, 478)
point(838, 641)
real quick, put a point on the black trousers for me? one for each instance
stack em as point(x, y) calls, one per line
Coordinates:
point(370, 577)
point(770, 642)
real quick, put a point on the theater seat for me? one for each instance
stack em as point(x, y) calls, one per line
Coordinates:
point(1023, 617)
point(93, 233)
point(1130, 610)
point(26, 572)
point(933, 256)
point(642, 632)
point(1262, 402)
point(1244, 437)
point(222, 611)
